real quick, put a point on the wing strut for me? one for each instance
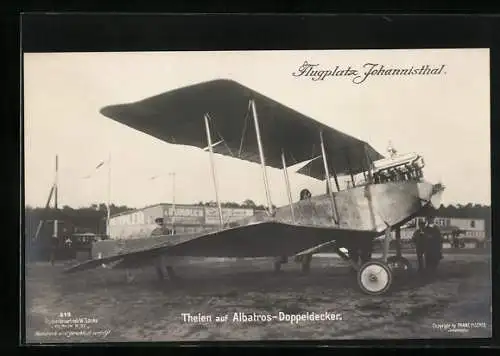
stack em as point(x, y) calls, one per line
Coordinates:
point(262, 158)
point(212, 166)
point(287, 181)
point(329, 182)
point(369, 164)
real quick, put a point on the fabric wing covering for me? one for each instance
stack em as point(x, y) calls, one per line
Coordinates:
point(177, 117)
point(264, 239)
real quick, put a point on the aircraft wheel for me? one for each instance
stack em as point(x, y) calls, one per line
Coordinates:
point(375, 278)
point(399, 264)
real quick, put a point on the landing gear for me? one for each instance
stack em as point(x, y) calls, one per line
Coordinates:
point(375, 278)
point(306, 264)
point(277, 266)
point(399, 264)
point(278, 262)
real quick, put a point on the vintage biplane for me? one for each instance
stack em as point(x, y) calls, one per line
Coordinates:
point(224, 117)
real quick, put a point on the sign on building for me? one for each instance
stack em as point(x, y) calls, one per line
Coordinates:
point(228, 215)
point(134, 224)
point(184, 215)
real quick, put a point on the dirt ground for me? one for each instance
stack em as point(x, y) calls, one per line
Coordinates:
point(100, 306)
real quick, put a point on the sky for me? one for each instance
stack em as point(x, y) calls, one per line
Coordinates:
point(445, 118)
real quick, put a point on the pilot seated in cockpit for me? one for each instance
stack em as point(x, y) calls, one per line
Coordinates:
point(305, 194)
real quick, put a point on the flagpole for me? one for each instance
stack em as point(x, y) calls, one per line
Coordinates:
point(109, 197)
point(173, 201)
point(56, 184)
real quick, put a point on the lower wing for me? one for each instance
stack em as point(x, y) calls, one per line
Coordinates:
point(263, 239)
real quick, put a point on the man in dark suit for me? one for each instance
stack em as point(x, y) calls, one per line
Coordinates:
point(433, 246)
point(162, 230)
point(419, 238)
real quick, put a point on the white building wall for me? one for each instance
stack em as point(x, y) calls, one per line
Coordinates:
point(186, 218)
point(135, 224)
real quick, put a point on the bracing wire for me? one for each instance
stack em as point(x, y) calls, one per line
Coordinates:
point(312, 157)
point(245, 125)
point(220, 136)
point(245, 128)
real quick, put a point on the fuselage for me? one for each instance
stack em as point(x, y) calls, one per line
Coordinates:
point(393, 194)
point(369, 207)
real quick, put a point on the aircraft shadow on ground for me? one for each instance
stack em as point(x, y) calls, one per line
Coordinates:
point(192, 280)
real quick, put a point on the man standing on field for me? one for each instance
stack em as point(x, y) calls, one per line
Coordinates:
point(162, 230)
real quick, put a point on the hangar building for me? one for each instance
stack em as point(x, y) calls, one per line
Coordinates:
point(184, 218)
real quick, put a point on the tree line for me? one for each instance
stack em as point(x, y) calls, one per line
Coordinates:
point(470, 211)
point(248, 203)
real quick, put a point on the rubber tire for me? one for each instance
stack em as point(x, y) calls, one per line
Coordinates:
point(389, 274)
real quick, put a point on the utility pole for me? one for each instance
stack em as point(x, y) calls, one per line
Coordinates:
point(55, 233)
point(172, 174)
point(108, 230)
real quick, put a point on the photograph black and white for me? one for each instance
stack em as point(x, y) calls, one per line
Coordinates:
point(257, 195)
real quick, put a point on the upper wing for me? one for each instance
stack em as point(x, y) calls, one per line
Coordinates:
point(263, 239)
point(177, 117)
